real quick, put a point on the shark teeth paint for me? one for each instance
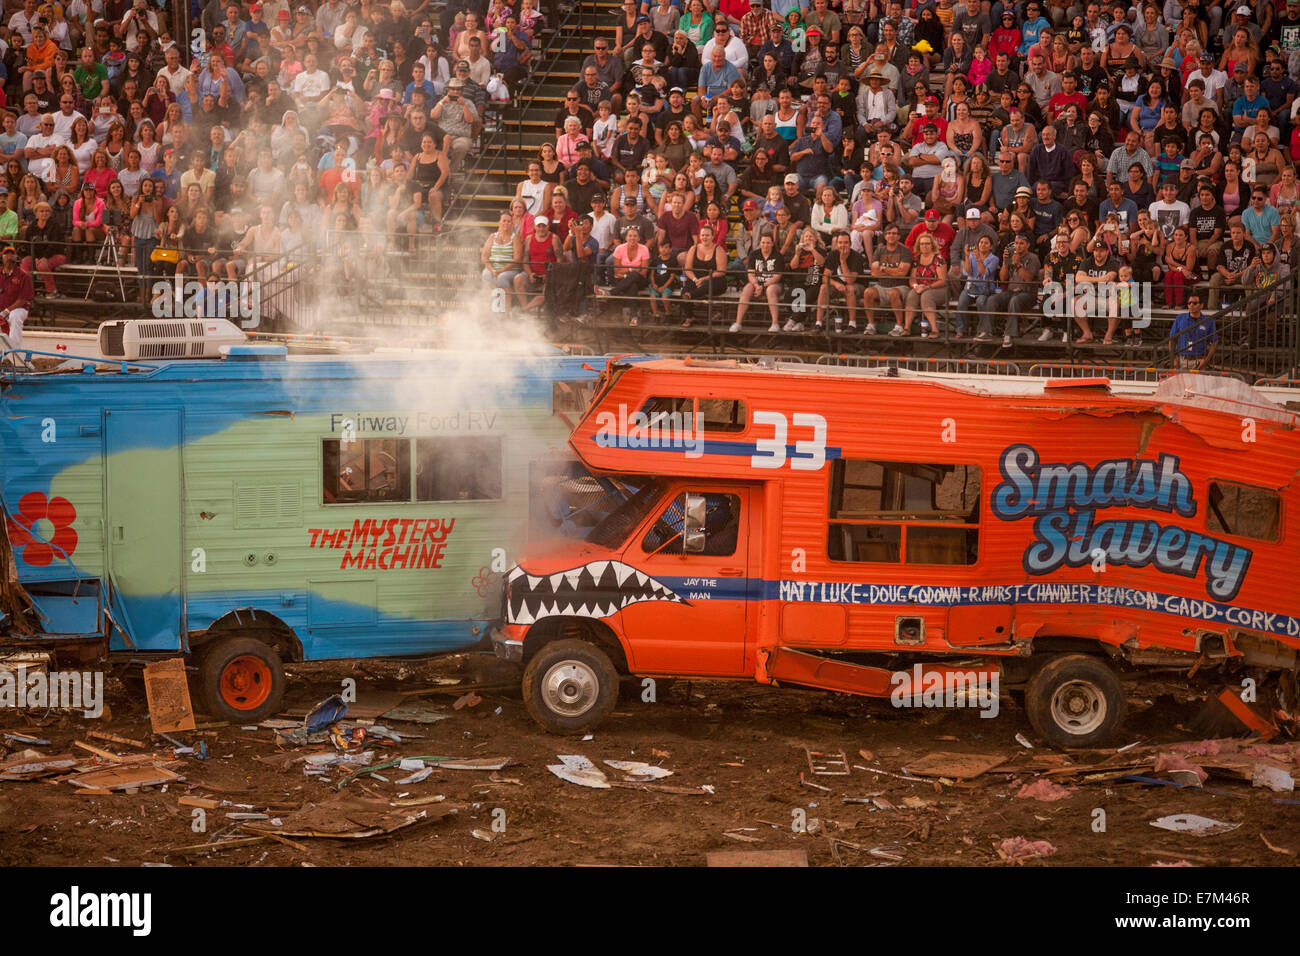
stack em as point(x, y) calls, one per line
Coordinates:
point(596, 589)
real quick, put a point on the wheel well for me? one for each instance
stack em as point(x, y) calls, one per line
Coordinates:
point(560, 628)
point(1017, 670)
point(251, 622)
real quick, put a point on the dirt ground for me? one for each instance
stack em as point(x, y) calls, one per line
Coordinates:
point(744, 741)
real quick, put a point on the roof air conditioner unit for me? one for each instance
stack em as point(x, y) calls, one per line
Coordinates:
point(139, 339)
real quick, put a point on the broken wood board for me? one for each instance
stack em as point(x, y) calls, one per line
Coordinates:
point(757, 858)
point(168, 692)
point(219, 845)
point(827, 764)
point(371, 704)
point(33, 766)
point(123, 778)
point(954, 766)
point(98, 752)
point(114, 739)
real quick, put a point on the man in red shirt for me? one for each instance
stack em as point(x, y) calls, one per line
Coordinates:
point(540, 250)
point(15, 296)
point(1069, 94)
point(943, 233)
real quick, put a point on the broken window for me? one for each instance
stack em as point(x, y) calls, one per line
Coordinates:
point(368, 469)
point(458, 469)
point(1244, 510)
point(721, 526)
point(712, 414)
point(914, 513)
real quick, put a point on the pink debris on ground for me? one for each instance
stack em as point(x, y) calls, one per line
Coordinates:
point(1018, 848)
point(1044, 790)
point(1205, 748)
point(1171, 761)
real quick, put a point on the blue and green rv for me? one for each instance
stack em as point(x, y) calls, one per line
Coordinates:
point(264, 507)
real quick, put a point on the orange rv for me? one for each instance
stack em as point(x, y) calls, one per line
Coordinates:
point(854, 530)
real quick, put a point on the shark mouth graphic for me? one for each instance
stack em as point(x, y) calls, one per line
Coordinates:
point(596, 589)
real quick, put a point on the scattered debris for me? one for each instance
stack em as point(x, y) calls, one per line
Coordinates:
point(344, 818)
point(27, 740)
point(414, 712)
point(739, 835)
point(639, 772)
point(114, 739)
point(124, 777)
point(1276, 849)
point(917, 803)
point(418, 777)
point(654, 752)
point(329, 711)
point(1181, 769)
point(889, 851)
point(575, 768)
point(467, 700)
point(33, 765)
point(484, 835)
point(1020, 739)
point(1044, 790)
point(1192, 823)
point(810, 784)
point(955, 766)
point(1018, 848)
point(827, 764)
point(765, 858)
point(1272, 778)
point(167, 690)
point(1246, 715)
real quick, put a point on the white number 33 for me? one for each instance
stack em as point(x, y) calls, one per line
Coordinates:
point(808, 455)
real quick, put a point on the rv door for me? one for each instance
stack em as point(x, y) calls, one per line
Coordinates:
point(142, 508)
point(688, 606)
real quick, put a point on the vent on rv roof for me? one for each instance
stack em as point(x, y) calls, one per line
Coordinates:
point(135, 339)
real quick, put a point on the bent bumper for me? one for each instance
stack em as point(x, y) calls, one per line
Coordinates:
point(508, 642)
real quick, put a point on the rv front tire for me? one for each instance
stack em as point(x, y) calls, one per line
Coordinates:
point(570, 686)
point(1075, 700)
point(242, 680)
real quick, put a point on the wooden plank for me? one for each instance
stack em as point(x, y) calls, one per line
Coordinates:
point(203, 803)
point(955, 766)
point(104, 754)
point(114, 739)
point(168, 692)
point(123, 778)
point(220, 845)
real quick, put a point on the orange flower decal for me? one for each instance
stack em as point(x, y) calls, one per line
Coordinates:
point(32, 507)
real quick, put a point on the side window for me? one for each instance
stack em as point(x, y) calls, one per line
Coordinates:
point(712, 414)
point(903, 512)
point(369, 469)
point(721, 526)
point(1244, 510)
point(457, 469)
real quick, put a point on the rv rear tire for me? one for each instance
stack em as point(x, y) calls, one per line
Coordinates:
point(1075, 700)
point(570, 686)
point(241, 679)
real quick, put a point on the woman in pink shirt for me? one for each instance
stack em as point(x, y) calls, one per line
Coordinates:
point(631, 267)
point(100, 174)
point(88, 216)
point(566, 147)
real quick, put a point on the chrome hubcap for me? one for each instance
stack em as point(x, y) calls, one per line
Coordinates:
point(570, 688)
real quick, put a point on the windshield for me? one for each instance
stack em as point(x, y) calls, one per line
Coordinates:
point(618, 524)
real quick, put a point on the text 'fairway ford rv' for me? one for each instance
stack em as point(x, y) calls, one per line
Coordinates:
point(834, 528)
point(262, 507)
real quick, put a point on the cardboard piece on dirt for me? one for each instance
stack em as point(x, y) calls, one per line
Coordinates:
point(373, 704)
point(168, 692)
point(124, 778)
point(351, 819)
point(954, 766)
point(31, 765)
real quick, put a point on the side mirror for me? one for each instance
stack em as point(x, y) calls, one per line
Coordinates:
point(693, 537)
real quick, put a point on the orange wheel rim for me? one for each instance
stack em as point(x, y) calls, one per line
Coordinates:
point(246, 683)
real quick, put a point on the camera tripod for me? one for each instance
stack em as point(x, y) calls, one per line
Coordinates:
point(107, 260)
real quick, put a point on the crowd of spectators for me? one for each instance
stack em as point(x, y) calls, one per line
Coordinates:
point(270, 128)
point(869, 166)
